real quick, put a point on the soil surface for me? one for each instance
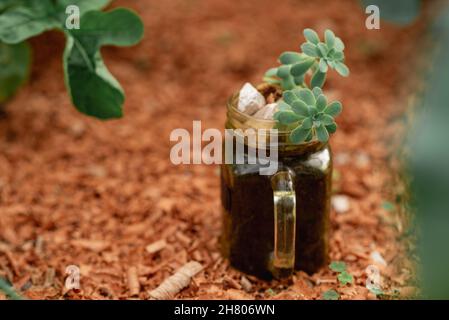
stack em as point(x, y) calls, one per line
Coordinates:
point(105, 197)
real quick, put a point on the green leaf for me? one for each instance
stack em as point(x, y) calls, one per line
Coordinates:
point(322, 133)
point(282, 106)
point(323, 66)
point(323, 49)
point(339, 45)
point(290, 57)
point(283, 72)
point(288, 117)
point(345, 278)
point(331, 295)
point(289, 97)
point(342, 69)
point(8, 290)
point(299, 134)
point(321, 102)
point(333, 109)
point(22, 22)
point(271, 72)
point(301, 68)
point(332, 128)
point(329, 38)
point(15, 63)
point(318, 79)
point(317, 92)
point(83, 64)
point(299, 107)
point(326, 119)
point(288, 83)
point(310, 49)
point(311, 36)
point(307, 96)
point(337, 266)
point(307, 123)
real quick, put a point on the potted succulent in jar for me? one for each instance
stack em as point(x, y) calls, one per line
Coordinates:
point(274, 224)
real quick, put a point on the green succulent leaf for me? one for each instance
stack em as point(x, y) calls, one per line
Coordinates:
point(289, 117)
point(333, 109)
point(329, 38)
point(288, 83)
point(332, 128)
point(321, 102)
point(271, 72)
point(284, 72)
point(311, 36)
point(342, 69)
point(83, 5)
point(299, 134)
point(323, 66)
point(322, 133)
point(307, 96)
point(326, 119)
point(301, 68)
point(290, 57)
point(300, 108)
point(323, 49)
point(339, 45)
point(15, 60)
point(307, 123)
point(318, 79)
point(83, 64)
point(310, 49)
point(317, 92)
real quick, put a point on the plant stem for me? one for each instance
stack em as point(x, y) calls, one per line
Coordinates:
point(9, 291)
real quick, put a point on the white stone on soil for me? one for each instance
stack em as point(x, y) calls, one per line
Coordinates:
point(266, 112)
point(340, 203)
point(250, 100)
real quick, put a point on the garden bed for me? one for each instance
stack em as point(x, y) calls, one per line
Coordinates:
point(76, 191)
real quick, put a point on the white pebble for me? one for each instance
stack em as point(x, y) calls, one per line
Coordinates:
point(340, 203)
point(250, 100)
point(378, 259)
point(266, 112)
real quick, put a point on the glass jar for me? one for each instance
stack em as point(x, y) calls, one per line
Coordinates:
point(274, 224)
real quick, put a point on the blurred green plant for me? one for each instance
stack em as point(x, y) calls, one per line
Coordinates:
point(93, 90)
point(8, 290)
point(401, 12)
point(344, 277)
point(304, 109)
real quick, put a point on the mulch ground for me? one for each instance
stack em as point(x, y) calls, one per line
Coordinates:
point(78, 191)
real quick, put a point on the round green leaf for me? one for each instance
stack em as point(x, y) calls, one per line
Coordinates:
point(311, 36)
point(288, 117)
point(317, 91)
point(326, 119)
point(307, 123)
point(321, 103)
point(271, 72)
point(283, 72)
point(310, 49)
point(290, 57)
point(323, 49)
point(289, 97)
point(329, 38)
point(323, 66)
point(333, 109)
point(342, 69)
point(299, 134)
point(301, 68)
point(307, 96)
point(339, 45)
point(322, 133)
point(318, 79)
point(332, 128)
point(299, 107)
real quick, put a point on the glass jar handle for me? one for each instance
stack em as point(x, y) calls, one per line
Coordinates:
point(284, 198)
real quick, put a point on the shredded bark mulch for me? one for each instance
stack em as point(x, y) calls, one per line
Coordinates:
point(105, 197)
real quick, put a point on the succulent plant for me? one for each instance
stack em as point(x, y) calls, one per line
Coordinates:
point(304, 109)
point(308, 114)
